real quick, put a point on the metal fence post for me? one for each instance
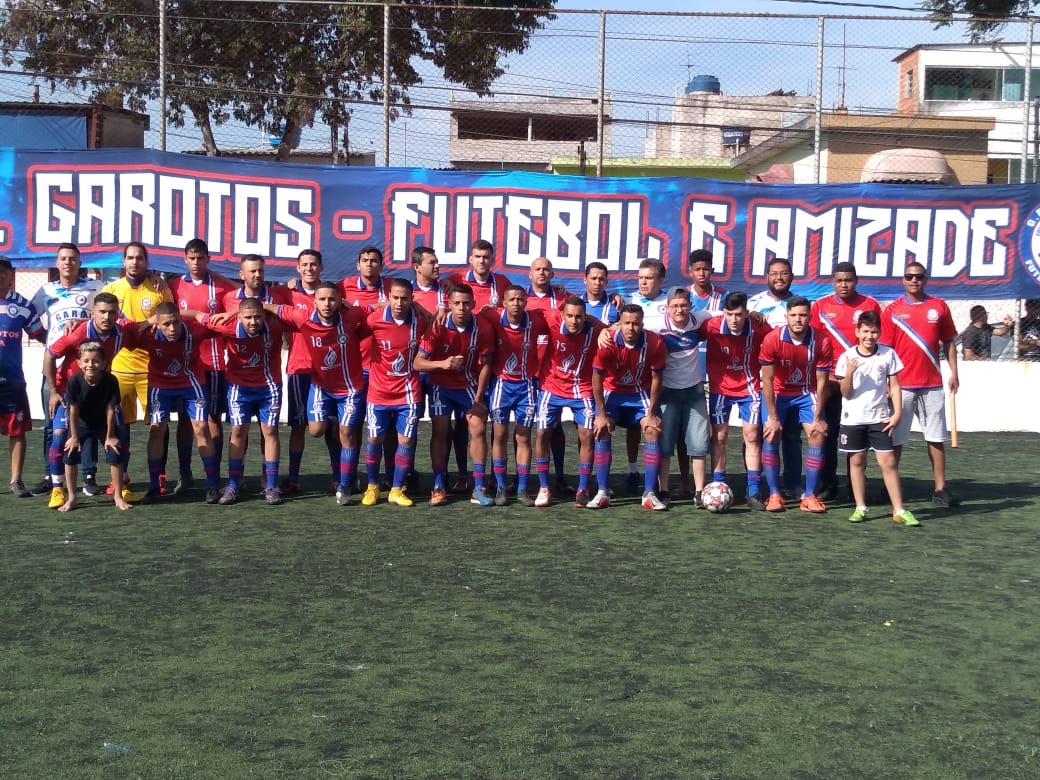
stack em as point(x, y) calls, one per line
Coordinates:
point(602, 89)
point(162, 75)
point(386, 86)
point(818, 120)
point(1026, 89)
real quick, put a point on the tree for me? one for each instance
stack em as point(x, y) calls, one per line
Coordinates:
point(277, 66)
point(986, 15)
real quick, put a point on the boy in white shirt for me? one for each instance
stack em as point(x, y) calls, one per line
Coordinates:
point(869, 377)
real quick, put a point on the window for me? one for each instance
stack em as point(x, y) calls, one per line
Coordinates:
point(908, 84)
point(995, 84)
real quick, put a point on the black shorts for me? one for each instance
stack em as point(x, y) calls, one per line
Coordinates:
point(860, 438)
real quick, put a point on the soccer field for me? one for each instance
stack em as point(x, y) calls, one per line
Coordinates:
point(309, 640)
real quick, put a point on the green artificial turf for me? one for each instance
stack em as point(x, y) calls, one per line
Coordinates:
point(310, 640)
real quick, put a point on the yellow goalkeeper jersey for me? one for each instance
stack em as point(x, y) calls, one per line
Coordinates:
point(135, 303)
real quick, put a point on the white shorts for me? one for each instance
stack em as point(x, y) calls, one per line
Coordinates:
point(929, 407)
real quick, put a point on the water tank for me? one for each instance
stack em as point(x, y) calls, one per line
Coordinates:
point(704, 84)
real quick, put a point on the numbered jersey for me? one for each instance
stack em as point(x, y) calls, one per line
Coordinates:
point(391, 379)
point(252, 361)
point(207, 296)
point(334, 347)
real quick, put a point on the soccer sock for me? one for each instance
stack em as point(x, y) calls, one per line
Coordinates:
point(373, 460)
point(541, 467)
point(184, 459)
point(440, 476)
point(584, 472)
point(633, 468)
point(271, 472)
point(719, 476)
point(235, 468)
point(651, 463)
point(771, 465)
point(602, 458)
point(478, 476)
point(498, 466)
point(348, 458)
point(523, 471)
point(754, 482)
point(211, 465)
point(55, 463)
point(403, 462)
point(295, 459)
point(813, 466)
point(154, 470)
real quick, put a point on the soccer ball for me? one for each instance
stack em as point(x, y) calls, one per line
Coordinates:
point(717, 497)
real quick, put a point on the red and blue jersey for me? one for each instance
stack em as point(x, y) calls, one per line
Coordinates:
point(520, 348)
point(391, 379)
point(277, 296)
point(487, 293)
point(430, 298)
point(732, 358)
point(838, 318)
point(551, 299)
point(175, 364)
point(252, 361)
point(475, 342)
point(795, 363)
point(567, 371)
point(333, 348)
point(65, 350)
point(629, 370)
point(207, 296)
point(299, 361)
point(916, 330)
point(17, 315)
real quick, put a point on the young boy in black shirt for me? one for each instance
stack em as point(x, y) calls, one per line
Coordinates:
point(94, 411)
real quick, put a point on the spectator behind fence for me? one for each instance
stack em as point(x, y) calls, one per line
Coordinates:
point(1029, 332)
point(977, 338)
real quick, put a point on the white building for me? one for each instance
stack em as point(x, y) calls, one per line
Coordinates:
point(973, 80)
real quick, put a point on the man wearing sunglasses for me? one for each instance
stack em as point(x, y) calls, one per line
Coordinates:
point(918, 326)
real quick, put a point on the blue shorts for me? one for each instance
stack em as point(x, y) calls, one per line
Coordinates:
point(627, 409)
point(443, 401)
point(245, 403)
point(519, 398)
point(805, 405)
point(405, 417)
point(748, 406)
point(162, 402)
point(216, 388)
point(551, 406)
point(297, 391)
point(321, 405)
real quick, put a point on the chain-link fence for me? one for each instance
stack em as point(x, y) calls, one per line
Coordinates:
point(478, 88)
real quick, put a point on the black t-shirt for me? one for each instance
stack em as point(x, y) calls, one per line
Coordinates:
point(93, 401)
point(978, 340)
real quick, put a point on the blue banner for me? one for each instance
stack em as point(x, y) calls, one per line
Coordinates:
point(976, 242)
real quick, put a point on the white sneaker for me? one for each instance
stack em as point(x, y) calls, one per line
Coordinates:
point(544, 497)
point(599, 501)
point(652, 502)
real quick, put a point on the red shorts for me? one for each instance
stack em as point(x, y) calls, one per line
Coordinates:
point(15, 418)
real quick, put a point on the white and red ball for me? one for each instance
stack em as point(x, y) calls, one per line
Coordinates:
point(717, 497)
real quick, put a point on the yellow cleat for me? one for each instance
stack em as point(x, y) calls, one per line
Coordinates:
point(371, 497)
point(57, 498)
point(130, 496)
point(398, 497)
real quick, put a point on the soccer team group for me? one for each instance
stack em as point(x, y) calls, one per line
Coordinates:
point(368, 355)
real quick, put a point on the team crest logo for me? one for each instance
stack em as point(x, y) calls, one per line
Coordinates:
point(1029, 244)
point(397, 368)
point(628, 379)
point(933, 315)
point(146, 304)
point(855, 316)
point(342, 338)
point(12, 310)
point(512, 364)
point(493, 300)
point(81, 299)
point(211, 305)
point(253, 361)
point(330, 358)
point(568, 364)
